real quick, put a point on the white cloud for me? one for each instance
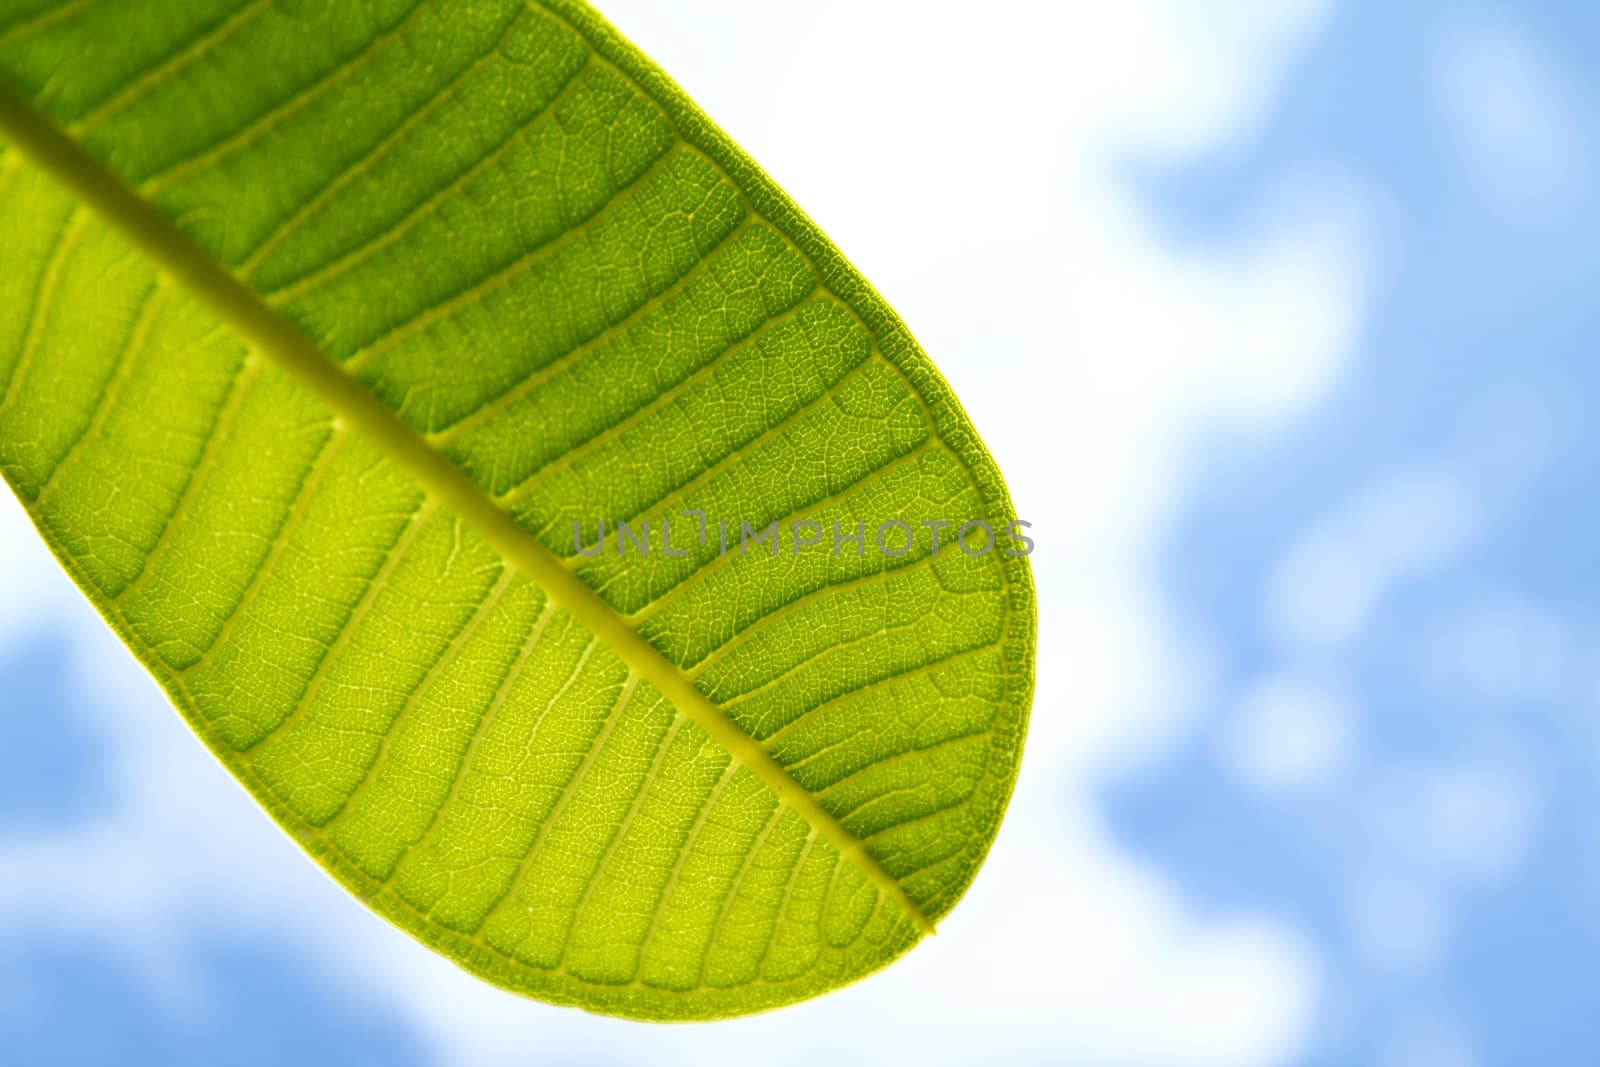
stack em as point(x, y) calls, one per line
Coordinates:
point(1468, 822)
point(1512, 112)
point(1287, 733)
point(25, 591)
point(1508, 650)
point(1397, 923)
point(972, 166)
point(1406, 524)
point(1428, 836)
point(1430, 1043)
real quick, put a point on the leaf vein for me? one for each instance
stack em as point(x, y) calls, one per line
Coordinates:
point(784, 901)
point(650, 407)
point(527, 260)
point(445, 435)
point(281, 538)
point(546, 613)
point(141, 82)
point(65, 241)
point(706, 570)
point(726, 903)
point(684, 852)
point(302, 98)
point(394, 556)
point(573, 784)
point(348, 260)
point(900, 757)
point(752, 629)
point(484, 609)
point(36, 24)
point(240, 384)
point(872, 686)
point(126, 360)
point(364, 165)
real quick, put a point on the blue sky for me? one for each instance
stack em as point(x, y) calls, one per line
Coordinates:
point(1277, 317)
point(1469, 684)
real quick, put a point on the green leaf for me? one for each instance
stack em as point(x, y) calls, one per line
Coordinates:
point(320, 325)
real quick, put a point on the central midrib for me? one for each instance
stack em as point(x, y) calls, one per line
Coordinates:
point(277, 338)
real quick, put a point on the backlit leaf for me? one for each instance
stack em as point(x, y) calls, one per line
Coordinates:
point(322, 324)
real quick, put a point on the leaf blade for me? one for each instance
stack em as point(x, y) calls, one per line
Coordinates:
point(596, 601)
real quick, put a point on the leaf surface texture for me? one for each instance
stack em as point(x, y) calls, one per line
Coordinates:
point(321, 323)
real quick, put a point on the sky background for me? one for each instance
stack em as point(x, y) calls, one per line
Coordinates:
point(1279, 317)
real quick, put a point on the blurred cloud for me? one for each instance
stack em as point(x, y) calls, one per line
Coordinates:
point(1512, 111)
point(1405, 524)
point(1398, 923)
point(1509, 650)
point(1288, 733)
point(1428, 1044)
point(1429, 835)
point(28, 599)
point(1470, 821)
